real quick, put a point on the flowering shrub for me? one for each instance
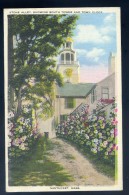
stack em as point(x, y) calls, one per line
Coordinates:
point(107, 101)
point(21, 132)
point(96, 134)
point(104, 102)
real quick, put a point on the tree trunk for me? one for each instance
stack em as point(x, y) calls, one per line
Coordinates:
point(19, 103)
point(36, 118)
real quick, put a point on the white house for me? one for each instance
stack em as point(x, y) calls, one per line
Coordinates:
point(74, 95)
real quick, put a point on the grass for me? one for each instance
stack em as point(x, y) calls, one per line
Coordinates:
point(100, 165)
point(36, 169)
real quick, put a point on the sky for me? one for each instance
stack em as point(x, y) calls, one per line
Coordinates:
point(94, 39)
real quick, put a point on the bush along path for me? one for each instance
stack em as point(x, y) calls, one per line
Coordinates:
point(95, 135)
point(77, 165)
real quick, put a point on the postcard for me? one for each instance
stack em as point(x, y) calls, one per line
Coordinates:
point(63, 99)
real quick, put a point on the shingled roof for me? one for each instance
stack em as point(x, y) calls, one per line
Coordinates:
point(79, 90)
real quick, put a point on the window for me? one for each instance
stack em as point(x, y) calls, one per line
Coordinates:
point(62, 57)
point(105, 93)
point(72, 57)
point(69, 103)
point(67, 56)
point(68, 44)
point(93, 96)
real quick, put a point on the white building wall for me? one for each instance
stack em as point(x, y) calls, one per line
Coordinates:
point(47, 126)
point(107, 82)
point(62, 110)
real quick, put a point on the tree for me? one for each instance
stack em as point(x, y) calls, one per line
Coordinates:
point(38, 39)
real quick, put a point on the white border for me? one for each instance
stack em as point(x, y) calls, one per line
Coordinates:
point(119, 185)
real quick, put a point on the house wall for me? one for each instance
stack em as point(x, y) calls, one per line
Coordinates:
point(107, 109)
point(107, 82)
point(47, 126)
point(60, 106)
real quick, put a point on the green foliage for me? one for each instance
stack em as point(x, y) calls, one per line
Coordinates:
point(22, 132)
point(38, 40)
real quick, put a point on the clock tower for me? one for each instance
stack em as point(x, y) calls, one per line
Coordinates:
point(68, 65)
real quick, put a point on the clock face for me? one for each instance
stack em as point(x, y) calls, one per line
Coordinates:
point(68, 72)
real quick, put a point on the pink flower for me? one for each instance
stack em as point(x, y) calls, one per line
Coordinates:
point(115, 132)
point(116, 110)
point(116, 147)
point(114, 122)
